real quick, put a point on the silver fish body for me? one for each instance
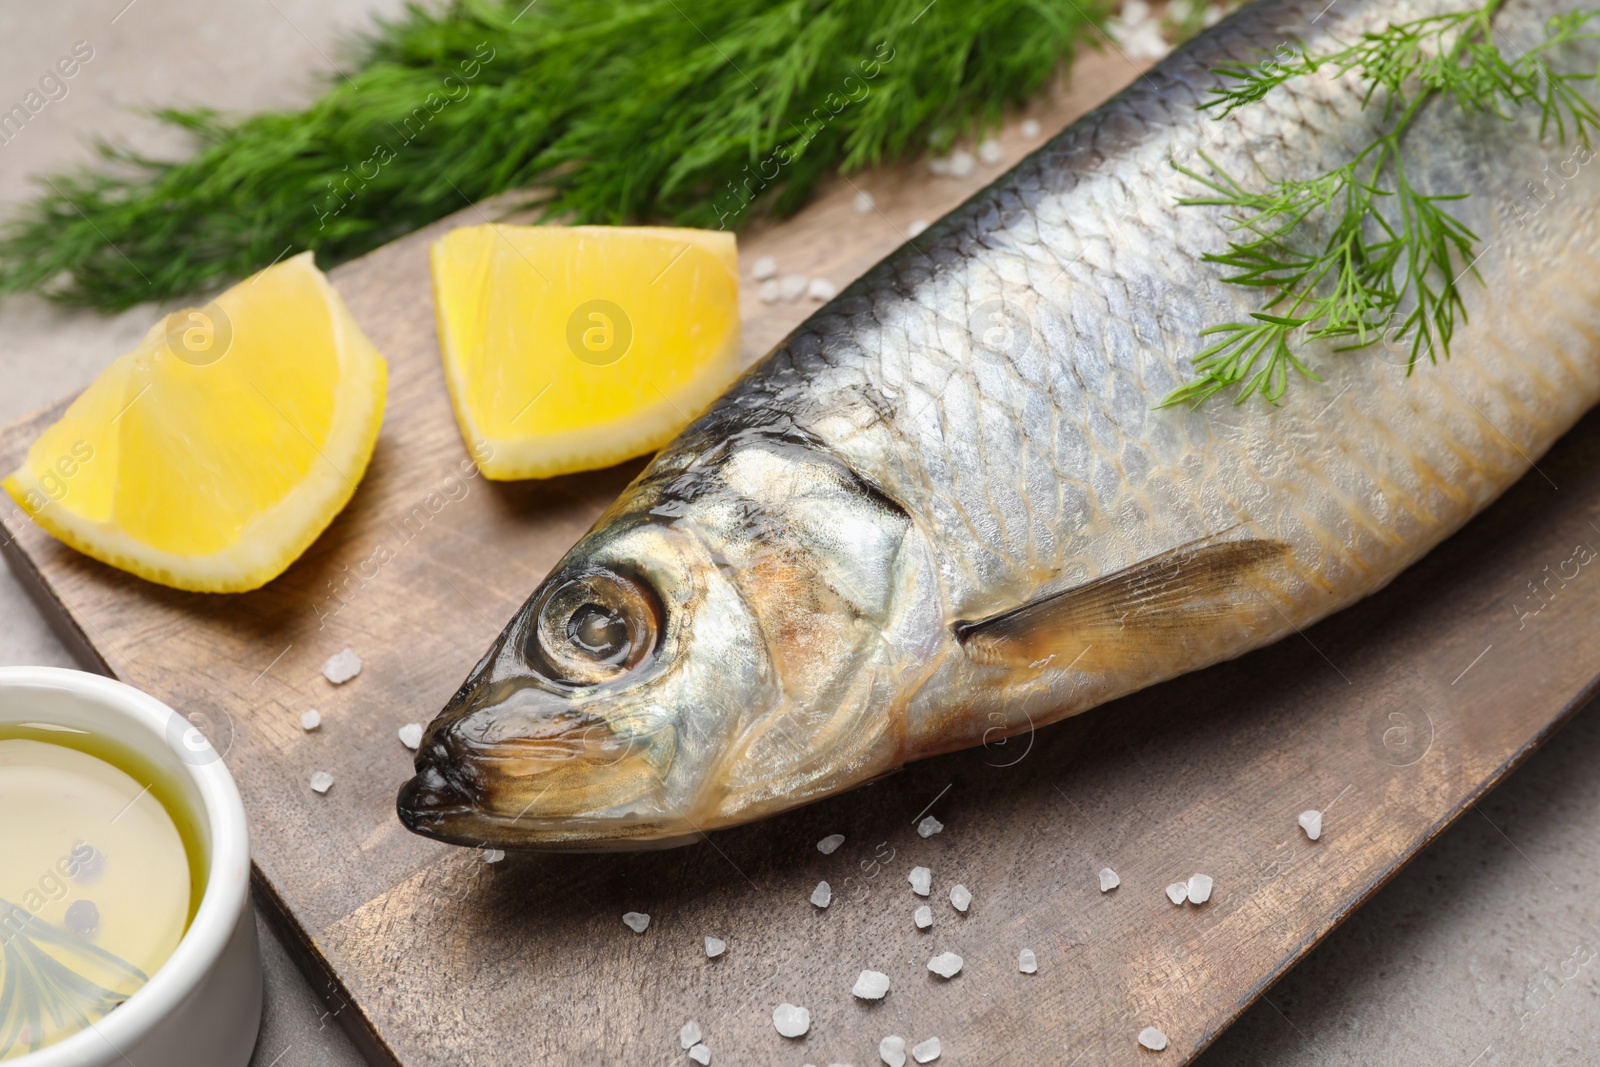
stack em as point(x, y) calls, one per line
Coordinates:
point(947, 508)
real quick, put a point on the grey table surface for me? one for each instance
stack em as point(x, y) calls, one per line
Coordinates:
point(1482, 953)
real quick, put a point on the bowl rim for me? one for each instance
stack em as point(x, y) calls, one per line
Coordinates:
point(227, 880)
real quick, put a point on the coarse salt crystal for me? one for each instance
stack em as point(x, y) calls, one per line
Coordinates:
point(939, 165)
point(1199, 888)
point(341, 667)
point(763, 268)
point(929, 826)
point(636, 921)
point(892, 1050)
point(864, 203)
point(1108, 880)
point(311, 720)
point(917, 228)
point(769, 293)
point(715, 947)
point(871, 985)
point(792, 287)
point(1213, 15)
point(946, 964)
point(1311, 823)
point(962, 164)
point(700, 1054)
point(411, 735)
point(1135, 11)
point(921, 880)
point(321, 781)
point(493, 855)
point(927, 1051)
point(690, 1035)
point(923, 917)
point(791, 1021)
point(830, 844)
point(991, 152)
point(1029, 128)
point(961, 897)
point(1027, 962)
point(821, 289)
point(1152, 1039)
point(822, 896)
point(1178, 892)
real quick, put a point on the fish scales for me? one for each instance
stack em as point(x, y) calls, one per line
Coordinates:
point(946, 508)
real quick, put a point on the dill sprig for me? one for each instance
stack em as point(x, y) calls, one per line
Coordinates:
point(1389, 264)
point(607, 111)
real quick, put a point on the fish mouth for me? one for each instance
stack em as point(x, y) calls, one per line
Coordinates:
point(552, 787)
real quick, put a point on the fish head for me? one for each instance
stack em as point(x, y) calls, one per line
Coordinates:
point(735, 637)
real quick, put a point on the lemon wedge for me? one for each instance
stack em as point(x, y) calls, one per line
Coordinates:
point(213, 454)
point(572, 348)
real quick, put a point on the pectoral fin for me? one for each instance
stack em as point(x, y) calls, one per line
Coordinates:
point(1158, 608)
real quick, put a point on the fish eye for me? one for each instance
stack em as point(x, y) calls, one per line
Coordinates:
point(594, 626)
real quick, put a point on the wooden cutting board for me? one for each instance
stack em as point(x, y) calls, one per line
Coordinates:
point(1391, 717)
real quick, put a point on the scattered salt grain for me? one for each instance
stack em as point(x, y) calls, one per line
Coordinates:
point(636, 921)
point(1108, 880)
point(962, 164)
point(929, 826)
point(700, 1054)
point(923, 917)
point(1311, 823)
point(927, 1052)
point(822, 290)
point(715, 947)
point(791, 1021)
point(864, 203)
point(342, 667)
point(991, 152)
point(411, 735)
point(921, 880)
point(830, 844)
point(1178, 892)
point(1029, 128)
point(871, 985)
point(822, 896)
point(321, 781)
point(1199, 888)
point(311, 720)
point(939, 165)
point(961, 897)
point(1213, 15)
point(1152, 1039)
point(690, 1035)
point(792, 287)
point(892, 1050)
point(1027, 962)
point(763, 268)
point(493, 855)
point(917, 228)
point(946, 964)
point(769, 293)
point(1135, 11)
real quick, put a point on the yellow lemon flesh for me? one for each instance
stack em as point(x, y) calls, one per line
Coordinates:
point(572, 348)
point(213, 454)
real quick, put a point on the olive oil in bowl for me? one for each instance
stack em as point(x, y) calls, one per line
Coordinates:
point(98, 880)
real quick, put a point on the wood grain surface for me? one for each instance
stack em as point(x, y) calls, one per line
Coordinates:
point(1392, 717)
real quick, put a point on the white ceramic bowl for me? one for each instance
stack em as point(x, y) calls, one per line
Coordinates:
point(203, 1006)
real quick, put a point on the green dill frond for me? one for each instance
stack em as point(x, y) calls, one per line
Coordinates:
point(1390, 266)
point(606, 111)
